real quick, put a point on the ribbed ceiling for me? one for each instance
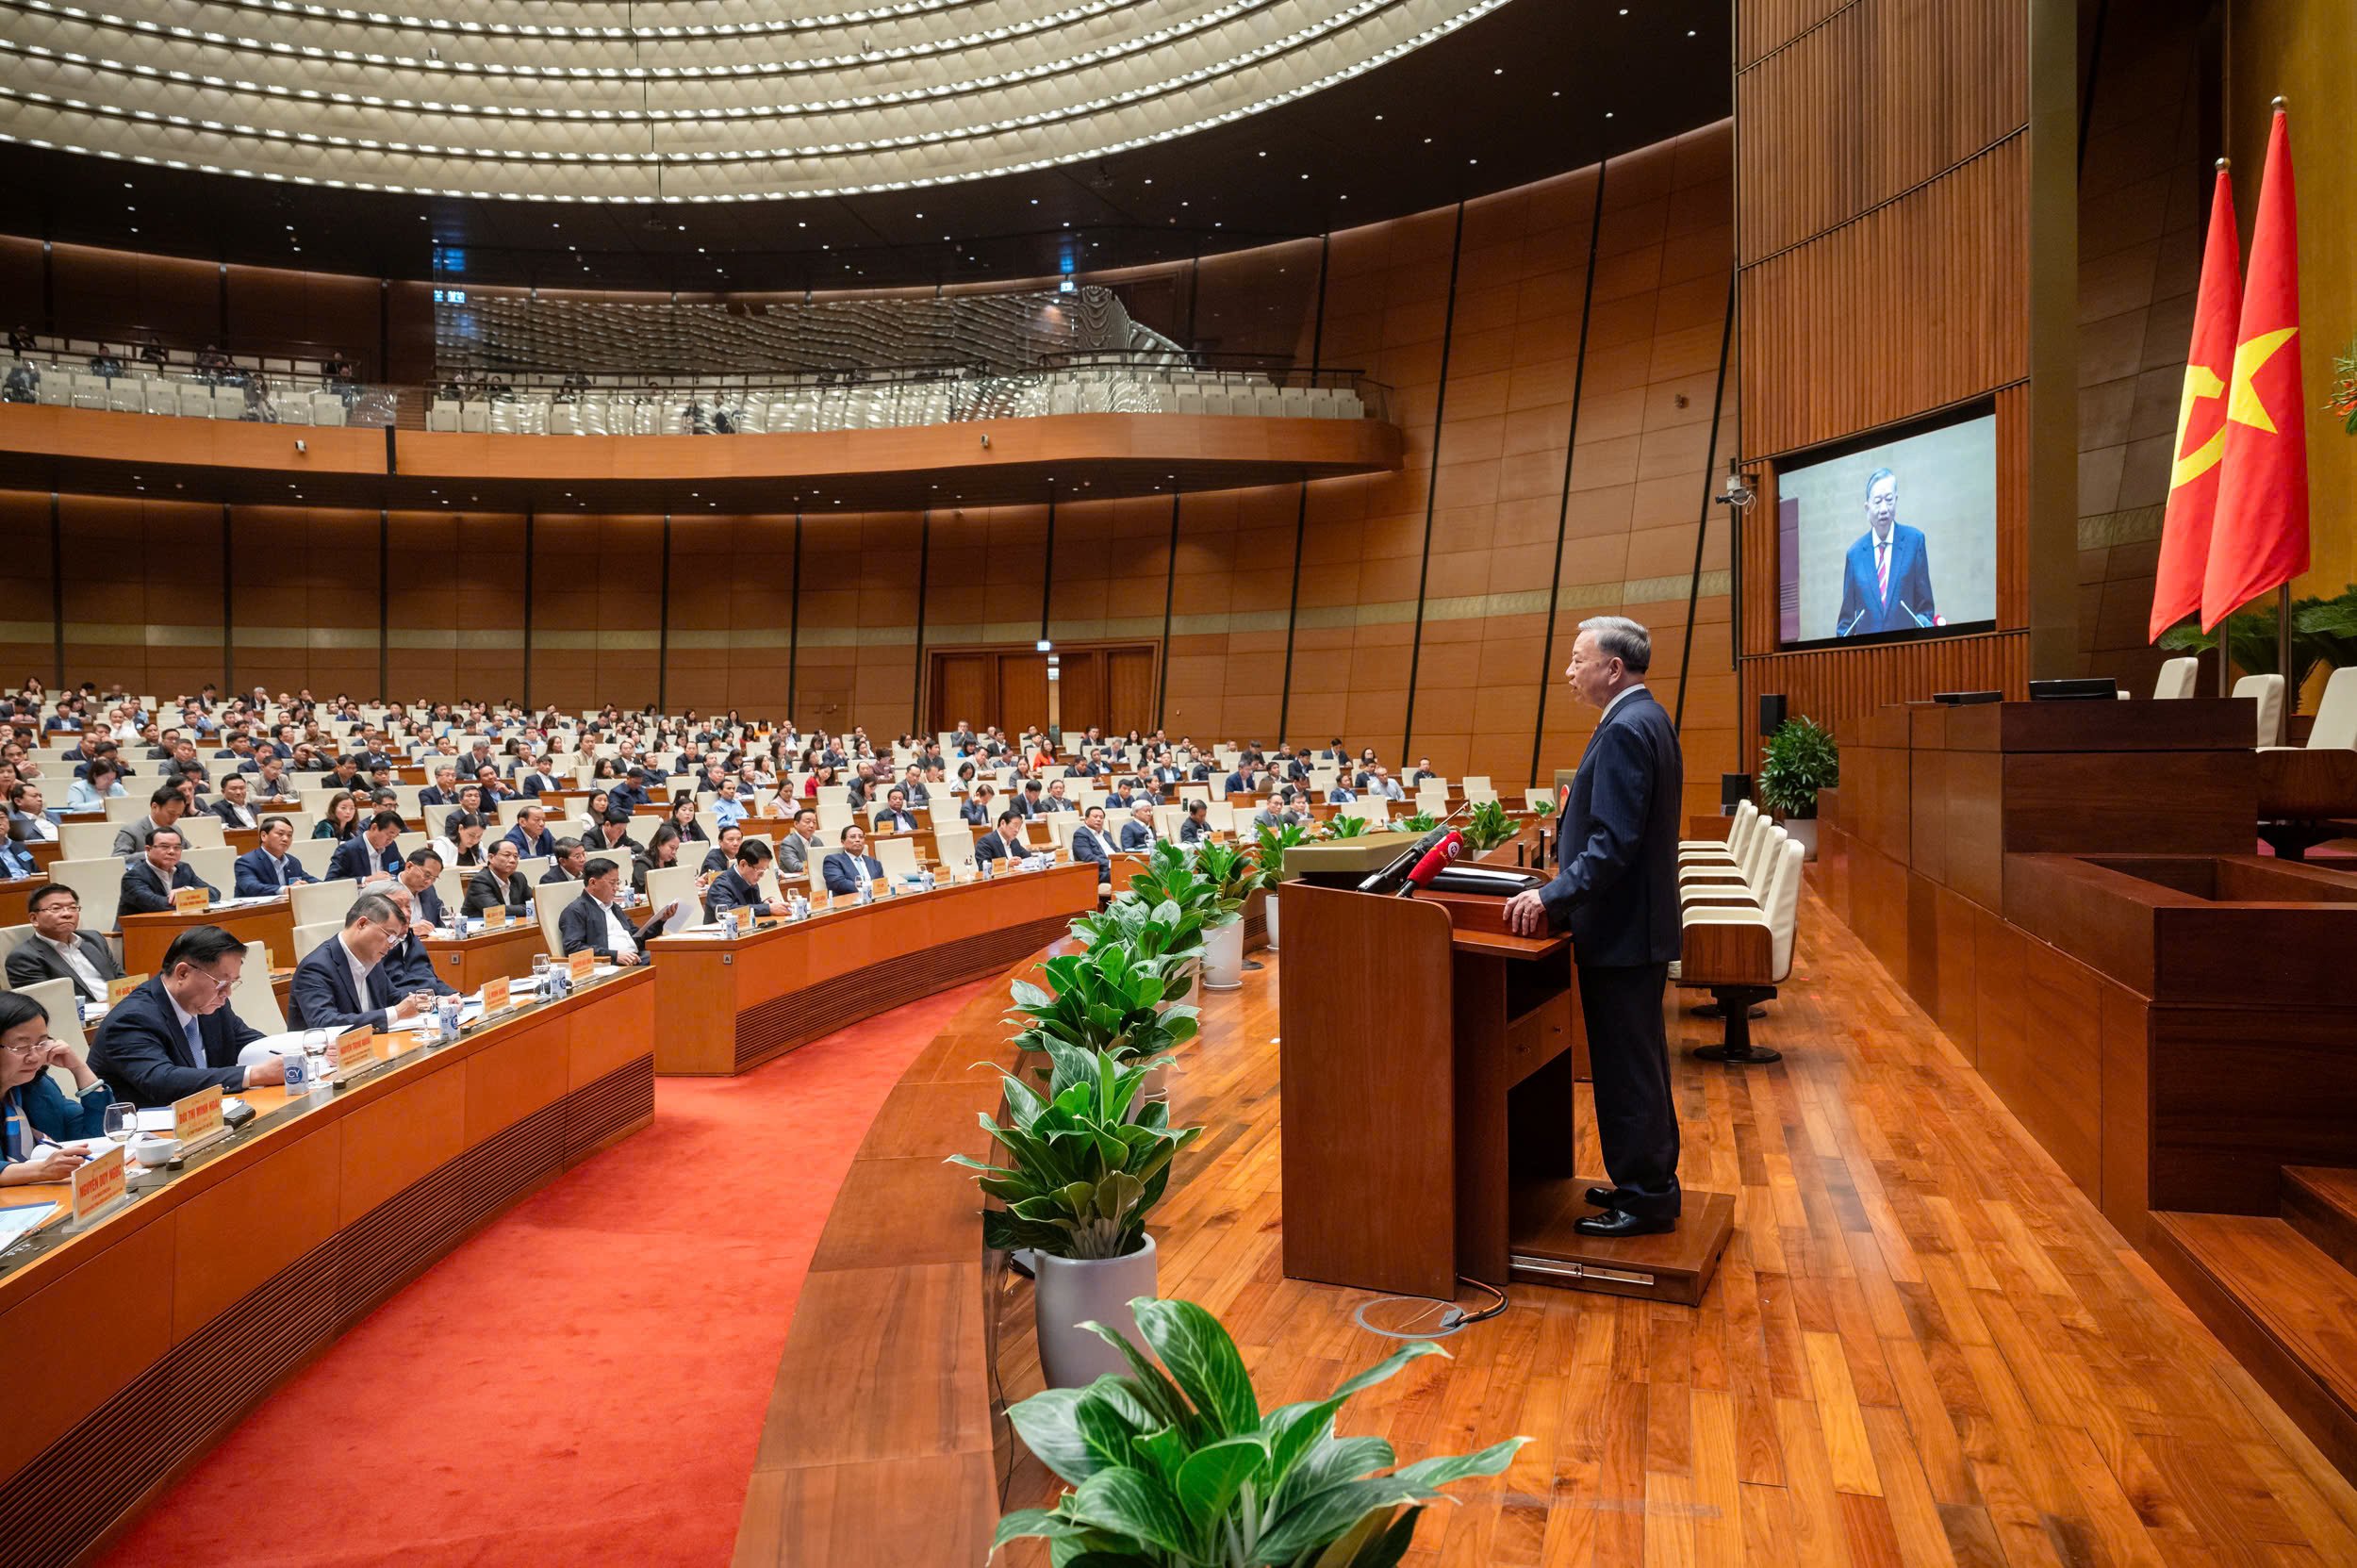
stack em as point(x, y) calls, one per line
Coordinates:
point(669, 100)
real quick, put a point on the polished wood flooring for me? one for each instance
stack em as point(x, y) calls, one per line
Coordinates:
point(1924, 1344)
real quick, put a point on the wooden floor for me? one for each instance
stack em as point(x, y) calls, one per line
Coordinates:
point(1924, 1344)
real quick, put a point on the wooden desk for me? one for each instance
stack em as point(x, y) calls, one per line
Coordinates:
point(244, 840)
point(467, 962)
point(146, 937)
point(209, 1289)
point(14, 891)
point(729, 1003)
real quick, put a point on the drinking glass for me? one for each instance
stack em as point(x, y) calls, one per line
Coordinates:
point(539, 971)
point(123, 1119)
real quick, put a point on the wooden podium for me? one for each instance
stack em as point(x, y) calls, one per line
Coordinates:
point(1427, 1059)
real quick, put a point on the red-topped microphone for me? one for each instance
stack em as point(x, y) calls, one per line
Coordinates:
point(1429, 867)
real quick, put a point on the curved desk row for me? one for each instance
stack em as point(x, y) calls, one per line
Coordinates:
point(730, 1003)
point(143, 1337)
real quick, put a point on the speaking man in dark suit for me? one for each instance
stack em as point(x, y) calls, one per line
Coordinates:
point(1886, 576)
point(149, 878)
point(851, 867)
point(269, 868)
point(1616, 891)
point(176, 1033)
point(59, 949)
point(341, 983)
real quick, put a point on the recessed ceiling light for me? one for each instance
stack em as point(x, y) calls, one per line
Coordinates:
point(1497, 70)
point(1265, 154)
point(1607, 114)
point(1427, 142)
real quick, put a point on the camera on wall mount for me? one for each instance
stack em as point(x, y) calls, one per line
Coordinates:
point(1738, 492)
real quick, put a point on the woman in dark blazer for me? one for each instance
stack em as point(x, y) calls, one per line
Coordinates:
point(33, 1110)
point(341, 819)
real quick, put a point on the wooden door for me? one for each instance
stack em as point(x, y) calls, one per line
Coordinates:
point(963, 691)
point(1022, 691)
point(1083, 702)
point(1129, 690)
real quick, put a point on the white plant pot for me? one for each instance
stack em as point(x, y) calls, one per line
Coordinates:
point(1223, 956)
point(1069, 1291)
point(1154, 1085)
point(1270, 914)
point(1804, 832)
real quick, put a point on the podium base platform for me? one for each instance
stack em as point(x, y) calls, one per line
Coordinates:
point(1673, 1265)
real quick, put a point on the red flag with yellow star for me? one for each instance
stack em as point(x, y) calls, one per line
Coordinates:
point(2260, 539)
point(2201, 422)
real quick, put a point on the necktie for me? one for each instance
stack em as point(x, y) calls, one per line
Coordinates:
point(196, 1047)
point(1881, 569)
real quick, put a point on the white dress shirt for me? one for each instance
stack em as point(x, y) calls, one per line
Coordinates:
point(85, 972)
point(618, 932)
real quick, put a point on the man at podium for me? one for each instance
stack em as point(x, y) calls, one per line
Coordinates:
point(1615, 889)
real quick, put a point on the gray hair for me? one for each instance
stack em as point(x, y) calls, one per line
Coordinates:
point(1618, 637)
point(375, 907)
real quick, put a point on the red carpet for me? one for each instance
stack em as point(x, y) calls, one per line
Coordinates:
point(583, 1380)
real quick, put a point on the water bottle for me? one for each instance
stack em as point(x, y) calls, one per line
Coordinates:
point(928, 879)
point(297, 1066)
point(866, 891)
point(447, 1011)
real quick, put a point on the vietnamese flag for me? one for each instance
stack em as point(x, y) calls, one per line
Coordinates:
point(2260, 539)
point(2201, 422)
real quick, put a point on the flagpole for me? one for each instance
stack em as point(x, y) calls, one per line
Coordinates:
point(2283, 658)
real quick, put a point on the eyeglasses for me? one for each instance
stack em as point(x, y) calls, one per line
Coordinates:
point(31, 1049)
point(223, 986)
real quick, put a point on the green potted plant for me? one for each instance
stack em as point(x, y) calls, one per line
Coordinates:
point(1163, 937)
point(1175, 1466)
point(1274, 842)
point(1422, 822)
point(1345, 827)
point(1085, 1162)
point(1487, 826)
point(1799, 760)
point(1105, 999)
point(1229, 870)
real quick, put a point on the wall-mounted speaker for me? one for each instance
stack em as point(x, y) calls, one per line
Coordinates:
point(1771, 713)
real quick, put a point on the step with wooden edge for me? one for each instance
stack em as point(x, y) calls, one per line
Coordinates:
point(2321, 1204)
point(2284, 1306)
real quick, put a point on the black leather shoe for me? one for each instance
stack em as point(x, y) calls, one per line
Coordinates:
point(1600, 1197)
point(1614, 1224)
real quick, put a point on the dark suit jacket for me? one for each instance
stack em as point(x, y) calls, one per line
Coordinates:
point(35, 960)
point(991, 846)
point(1136, 835)
point(1088, 846)
point(842, 874)
point(1910, 580)
point(431, 796)
point(976, 814)
point(544, 845)
point(533, 783)
point(322, 995)
point(410, 967)
point(228, 813)
point(58, 1115)
point(257, 877)
point(1616, 888)
point(729, 890)
point(484, 891)
point(583, 926)
point(140, 1050)
point(354, 859)
point(888, 820)
point(143, 890)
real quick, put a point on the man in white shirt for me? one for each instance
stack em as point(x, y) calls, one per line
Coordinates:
point(27, 804)
point(234, 809)
point(1091, 842)
point(593, 923)
point(58, 949)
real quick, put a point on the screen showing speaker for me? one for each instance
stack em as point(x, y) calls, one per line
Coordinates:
point(1890, 536)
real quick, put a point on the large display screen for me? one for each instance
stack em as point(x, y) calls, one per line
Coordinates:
point(1892, 537)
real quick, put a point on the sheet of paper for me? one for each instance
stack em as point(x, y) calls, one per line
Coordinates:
point(20, 1219)
point(157, 1119)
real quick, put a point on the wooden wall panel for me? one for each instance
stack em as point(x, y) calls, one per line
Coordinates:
point(596, 609)
point(142, 593)
point(1913, 305)
point(732, 613)
point(303, 598)
point(27, 633)
point(1231, 580)
point(1840, 119)
point(1762, 25)
point(454, 604)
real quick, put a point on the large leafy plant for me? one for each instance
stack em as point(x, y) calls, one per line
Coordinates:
point(1160, 935)
point(1274, 842)
point(1422, 822)
point(1084, 1162)
point(1799, 760)
point(1104, 1000)
point(1487, 826)
point(1175, 1467)
point(1230, 871)
point(1170, 877)
point(1346, 827)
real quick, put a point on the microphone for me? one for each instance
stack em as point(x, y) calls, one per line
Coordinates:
point(1448, 849)
point(1389, 879)
point(1845, 631)
point(1920, 619)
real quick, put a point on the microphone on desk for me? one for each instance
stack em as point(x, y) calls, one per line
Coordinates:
point(1389, 877)
point(1434, 860)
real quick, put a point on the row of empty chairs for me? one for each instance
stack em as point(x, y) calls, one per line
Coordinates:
point(1739, 908)
point(59, 385)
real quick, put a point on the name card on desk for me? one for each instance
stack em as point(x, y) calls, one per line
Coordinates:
point(356, 1055)
point(100, 1183)
point(581, 966)
point(494, 918)
point(122, 986)
point(196, 1119)
point(494, 996)
point(187, 901)
point(740, 921)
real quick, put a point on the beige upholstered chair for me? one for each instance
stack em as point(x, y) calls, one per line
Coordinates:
point(253, 997)
point(2176, 678)
point(2268, 692)
point(1742, 954)
point(311, 934)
